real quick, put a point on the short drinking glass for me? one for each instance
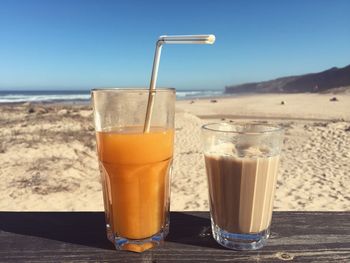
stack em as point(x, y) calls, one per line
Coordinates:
point(241, 162)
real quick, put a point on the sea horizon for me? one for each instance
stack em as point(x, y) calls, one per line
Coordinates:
point(83, 95)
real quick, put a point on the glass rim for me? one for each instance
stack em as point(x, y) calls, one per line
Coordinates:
point(275, 128)
point(131, 90)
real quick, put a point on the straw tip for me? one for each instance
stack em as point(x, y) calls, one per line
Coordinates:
point(211, 39)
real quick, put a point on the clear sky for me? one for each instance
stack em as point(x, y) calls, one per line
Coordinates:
point(84, 43)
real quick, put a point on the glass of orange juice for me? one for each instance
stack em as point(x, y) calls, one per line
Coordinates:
point(135, 165)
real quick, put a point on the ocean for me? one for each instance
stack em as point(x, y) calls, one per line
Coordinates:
point(82, 96)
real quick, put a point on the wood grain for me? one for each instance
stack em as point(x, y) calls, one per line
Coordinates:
point(80, 237)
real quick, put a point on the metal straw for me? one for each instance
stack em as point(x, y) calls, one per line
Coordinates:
point(188, 39)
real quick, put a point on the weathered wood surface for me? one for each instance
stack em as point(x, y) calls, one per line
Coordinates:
point(80, 237)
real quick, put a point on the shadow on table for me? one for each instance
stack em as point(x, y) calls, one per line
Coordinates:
point(88, 228)
point(191, 228)
point(82, 228)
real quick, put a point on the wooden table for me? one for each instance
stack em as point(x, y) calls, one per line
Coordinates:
point(80, 237)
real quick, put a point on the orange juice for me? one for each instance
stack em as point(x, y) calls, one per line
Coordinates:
point(135, 175)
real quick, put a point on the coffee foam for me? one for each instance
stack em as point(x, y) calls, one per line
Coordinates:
point(227, 149)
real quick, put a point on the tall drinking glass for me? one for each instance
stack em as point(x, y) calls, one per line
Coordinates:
point(241, 162)
point(135, 165)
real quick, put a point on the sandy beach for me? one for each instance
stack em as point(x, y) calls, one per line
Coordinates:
point(48, 159)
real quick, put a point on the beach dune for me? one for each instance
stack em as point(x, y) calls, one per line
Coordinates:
point(48, 159)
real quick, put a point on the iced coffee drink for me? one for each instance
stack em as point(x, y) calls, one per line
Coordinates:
point(241, 163)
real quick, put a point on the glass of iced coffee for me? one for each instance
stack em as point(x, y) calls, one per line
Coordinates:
point(241, 161)
point(135, 164)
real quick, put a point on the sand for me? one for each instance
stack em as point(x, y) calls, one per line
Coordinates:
point(48, 160)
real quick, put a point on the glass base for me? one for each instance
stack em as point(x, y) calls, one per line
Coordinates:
point(240, 241)
point(137, 245)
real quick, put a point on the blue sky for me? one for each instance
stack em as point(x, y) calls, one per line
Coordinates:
point(85, 44)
